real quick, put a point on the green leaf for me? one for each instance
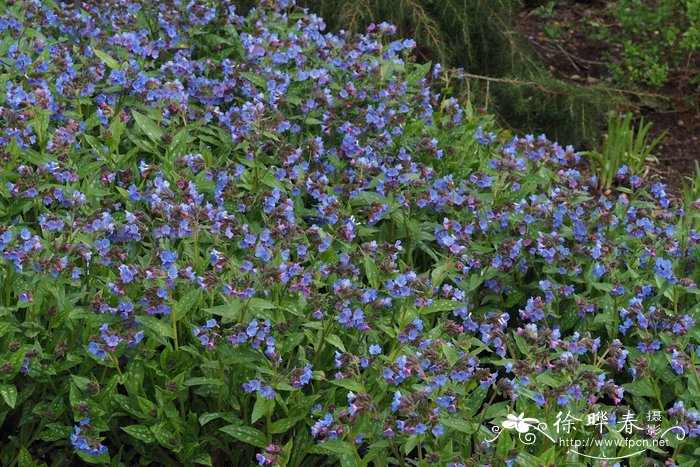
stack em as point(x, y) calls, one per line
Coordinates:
point(335, 342)
point(102, 459)
point(140, 432)
point(262, 407)
point(640, 387)
point(411, 444)
point(522, 344)
point(480, 249)
point(451, 354)
point(418, 72)
point(495, 410)
point(95, 143)
point(546, 378)
point(201, 458)
point(228, 312)
point(371, 272)
point(246, 434)
point(602, 286)
point(283, 425)
point(475, 280)
point(163, 435)
point(211, 416)
point(442, 305)
point(24, 459)
point(313, 121)
point(156, 326)
point(109, 61)
point(55, 431)
point(261, 304)
point(133, 378)
point(202, 381)
point(460, 425)
point(179, 143)
point(333, 446)
point(527, 460)
point(504, 444)
point(116, 130)
point(569, 318)
point(9, 393)
point(256, 79)
point(185, 304)
point(128, 405)
point(80, 381)
point(438, 275)
point(148, 126)
point(350, 384)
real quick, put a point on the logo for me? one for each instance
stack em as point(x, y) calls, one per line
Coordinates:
point(610, 432)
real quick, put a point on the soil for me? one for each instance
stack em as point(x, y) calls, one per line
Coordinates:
point(563, 38)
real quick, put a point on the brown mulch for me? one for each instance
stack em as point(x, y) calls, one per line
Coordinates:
point(565, 42)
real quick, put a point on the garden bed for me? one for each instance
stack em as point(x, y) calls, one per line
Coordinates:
point(231, 238)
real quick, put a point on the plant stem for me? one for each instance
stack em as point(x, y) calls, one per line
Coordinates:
point(326, 330)
point(175, 340)
point(420, 451)
point(195, 237)
point(116, 363)
point(354, 451)
point(657, 393)
point(268, 424)
point(173, 320)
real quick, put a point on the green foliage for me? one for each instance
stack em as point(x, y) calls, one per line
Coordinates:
point(248, 241)
point(623, 146)
point(658, 39)
point(546, 10)
point(690, 193)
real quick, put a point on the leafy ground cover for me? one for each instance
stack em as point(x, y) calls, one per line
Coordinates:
point(234, 238)
point(609, 44)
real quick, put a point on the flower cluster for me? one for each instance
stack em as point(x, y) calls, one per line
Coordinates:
point(84, 440)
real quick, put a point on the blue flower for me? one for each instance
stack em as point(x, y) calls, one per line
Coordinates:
point(168, 258)
point(598, 270)
point(267, 392)
point(251, 386)
point(126, 273)
point(664, 269)
point(539, 400)
point(97, 350)
point(396, 401)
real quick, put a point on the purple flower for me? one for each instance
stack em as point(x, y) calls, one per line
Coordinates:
point(396, 401)
point(267, 392)
point(97, 350)
point(664, 269)
point(598, 270)
point(126, 273)
point(251, 386)
point(301, 376)
point(83, 441)
point(25, 297)
point(168, 258)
